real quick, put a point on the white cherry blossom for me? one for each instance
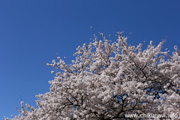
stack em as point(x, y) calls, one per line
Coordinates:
point(108, 80)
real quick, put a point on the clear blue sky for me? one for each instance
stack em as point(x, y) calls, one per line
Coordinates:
point(33, 31)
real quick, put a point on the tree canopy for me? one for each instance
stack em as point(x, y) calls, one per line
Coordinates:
point(108, 80)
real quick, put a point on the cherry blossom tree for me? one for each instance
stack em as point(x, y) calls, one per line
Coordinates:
point(108, 80)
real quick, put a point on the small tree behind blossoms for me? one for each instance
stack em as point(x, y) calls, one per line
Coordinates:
point(108, 80)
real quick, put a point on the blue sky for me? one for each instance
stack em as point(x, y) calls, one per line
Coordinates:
point(33, 31)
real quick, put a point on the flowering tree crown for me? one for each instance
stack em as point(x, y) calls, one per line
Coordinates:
point(108, 80)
